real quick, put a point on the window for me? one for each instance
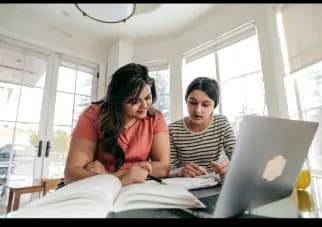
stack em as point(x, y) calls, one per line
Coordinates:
point(304, 96)
point(235, 63)
point(74, 93)
point(161, 75)
point(242, 87)
point(300, 40)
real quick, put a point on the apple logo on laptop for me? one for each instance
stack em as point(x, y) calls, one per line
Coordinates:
point(274, 168)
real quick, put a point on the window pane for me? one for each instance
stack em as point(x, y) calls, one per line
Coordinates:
point(26, 134)
point(241, 79)
point(316, 147)
point(84, 83)
point(162, 81)
point(249, 53)
point(64, 109)
point(9, 96)
point(30, 104)
point(254, 94)
point(24, 151)
point(243, 56)
point(233, 112)
point(162, 85)
point(81, 102)
point(6, 132)
point(66, 80)
point(58, 154)
point(309, 85)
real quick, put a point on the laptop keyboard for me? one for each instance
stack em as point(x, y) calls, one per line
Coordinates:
point(209, 202)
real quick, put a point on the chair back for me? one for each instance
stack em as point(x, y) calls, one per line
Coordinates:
point(44, 186)
point(51, 184)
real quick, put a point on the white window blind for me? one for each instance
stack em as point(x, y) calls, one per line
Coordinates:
point(235, 35)
point(303, 34)
point(79, 64)
point(157, 65)
point(199, 52)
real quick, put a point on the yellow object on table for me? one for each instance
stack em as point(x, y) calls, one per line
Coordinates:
point(304, 201)
point(303, 180)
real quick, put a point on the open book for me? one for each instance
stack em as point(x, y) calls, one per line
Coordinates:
point(98, 196)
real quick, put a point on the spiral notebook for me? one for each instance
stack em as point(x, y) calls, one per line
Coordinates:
point(189, 183)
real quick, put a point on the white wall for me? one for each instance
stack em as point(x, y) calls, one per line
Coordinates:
point(210, 27)
point(126, 51)
point(120, 53)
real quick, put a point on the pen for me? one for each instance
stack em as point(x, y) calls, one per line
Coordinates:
point(156, 179)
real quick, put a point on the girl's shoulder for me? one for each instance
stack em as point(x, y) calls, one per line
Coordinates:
point(219, 118)
point(177, 124)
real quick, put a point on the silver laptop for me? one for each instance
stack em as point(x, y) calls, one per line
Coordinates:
point(269, 154)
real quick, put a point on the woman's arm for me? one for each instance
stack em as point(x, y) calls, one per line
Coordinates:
point(81, 152)
point(160, 155)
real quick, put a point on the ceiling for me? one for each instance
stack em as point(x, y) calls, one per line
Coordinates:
point(149, 20)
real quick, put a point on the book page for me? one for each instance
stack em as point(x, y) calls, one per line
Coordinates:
point(92, 197)
point(201, 181)
point(148, 195)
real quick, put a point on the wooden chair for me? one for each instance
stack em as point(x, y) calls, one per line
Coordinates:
point(44, 186)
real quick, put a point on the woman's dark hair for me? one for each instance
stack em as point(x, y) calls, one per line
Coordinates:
point(125, 86)
point(207, 85)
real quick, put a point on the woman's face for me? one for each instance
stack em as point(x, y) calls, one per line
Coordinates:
point(139, 107)
point(200, 106)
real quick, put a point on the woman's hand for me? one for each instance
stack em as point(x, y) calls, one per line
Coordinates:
point(220, 167)
point(137, 173)
point(95, 167)
point(192, 170)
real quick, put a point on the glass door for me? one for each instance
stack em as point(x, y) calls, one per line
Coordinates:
point(73, 94)
point(38, 112)
point(41, 97)
point(22, 81)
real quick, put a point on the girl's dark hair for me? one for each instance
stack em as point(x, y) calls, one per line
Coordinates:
point(207, 85)
point(125, 86)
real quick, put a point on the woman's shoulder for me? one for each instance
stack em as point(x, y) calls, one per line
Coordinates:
point(154, 115)
point(157, 113)
point(92, 110)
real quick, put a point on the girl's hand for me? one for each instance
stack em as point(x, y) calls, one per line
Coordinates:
point(192, 170)
point(220, 167)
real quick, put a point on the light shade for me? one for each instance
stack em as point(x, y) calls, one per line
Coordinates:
point(107, 13)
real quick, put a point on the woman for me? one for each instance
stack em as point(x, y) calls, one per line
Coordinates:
point(123, 134)
point(198, 140)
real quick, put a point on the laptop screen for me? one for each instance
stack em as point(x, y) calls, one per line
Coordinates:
point(267, 159)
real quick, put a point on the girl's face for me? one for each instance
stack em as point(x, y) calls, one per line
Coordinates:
point(200, 107)
point(138, 108)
